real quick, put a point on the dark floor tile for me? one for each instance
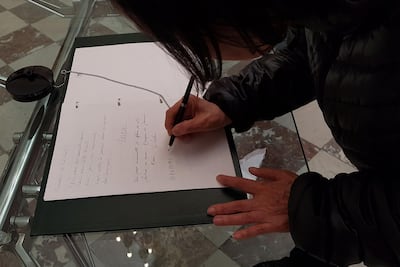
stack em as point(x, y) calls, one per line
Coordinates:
point(310, 150)
point(30, 13)
point(9, 259)
point(173, 246)
point(283, 147)
point(18, 44)
point(44, 251)
point(103, 9)
point(333, 149)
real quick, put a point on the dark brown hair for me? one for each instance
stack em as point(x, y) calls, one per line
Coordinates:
point(190, 29)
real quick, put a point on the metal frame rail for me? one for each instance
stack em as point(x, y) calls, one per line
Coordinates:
point(31, 141)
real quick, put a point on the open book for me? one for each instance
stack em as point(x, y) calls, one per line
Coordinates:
point(111, 138)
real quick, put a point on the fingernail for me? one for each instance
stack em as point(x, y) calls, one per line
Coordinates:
point(211, 211)
point(237, 236)
point(217, 220)
point(220, 178)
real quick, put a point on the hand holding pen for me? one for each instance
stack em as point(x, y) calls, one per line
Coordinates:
point(200, 116)
point(182, 107)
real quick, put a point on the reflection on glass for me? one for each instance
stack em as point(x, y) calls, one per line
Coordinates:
point(118, 239)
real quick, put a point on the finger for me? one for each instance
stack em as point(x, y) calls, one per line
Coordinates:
point(170, 115)
point(256, 230)
point(186, 127)
point(190, 126)
point(186, 139)
point(231, 207)
point(243, 184)
point(239, 218)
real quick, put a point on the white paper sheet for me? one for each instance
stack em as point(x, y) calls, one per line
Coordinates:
point(111, 138)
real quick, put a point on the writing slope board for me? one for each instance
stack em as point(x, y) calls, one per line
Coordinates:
point(108, 166)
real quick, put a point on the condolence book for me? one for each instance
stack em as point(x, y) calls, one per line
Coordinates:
point(110, 167)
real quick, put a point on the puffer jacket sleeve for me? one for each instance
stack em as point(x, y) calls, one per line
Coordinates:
point(350, 218)
point(270, 86)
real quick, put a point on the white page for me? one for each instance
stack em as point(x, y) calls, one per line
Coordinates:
point(112, 140)
point(141, 64)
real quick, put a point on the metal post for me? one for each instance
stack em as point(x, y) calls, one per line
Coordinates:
point(54, 7)
point(3, 81)
point(17, 165)
point(32, 135)
point(75, 28)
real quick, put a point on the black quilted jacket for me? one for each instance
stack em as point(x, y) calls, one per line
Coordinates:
point(348, 59)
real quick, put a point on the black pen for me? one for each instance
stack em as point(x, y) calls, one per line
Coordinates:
point(182, 107)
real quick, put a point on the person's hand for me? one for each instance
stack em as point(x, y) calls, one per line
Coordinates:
point(200, 116)
point(266, 212)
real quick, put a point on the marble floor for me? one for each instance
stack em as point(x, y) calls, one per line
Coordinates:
point(30, 35)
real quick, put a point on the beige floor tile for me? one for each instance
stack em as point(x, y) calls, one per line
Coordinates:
point(13, 117)
point(358, 265)
point(234, 67)
point(286, 121)
point(30, 13)
point(217, 235)
point(53, 27)
point(118, 24)
point(44, 57)
point(4, 95)
point(67, 2)
point(302, 170)
point(328, 165)
point(228, 67)
point(92, 237)
point(3, 163)
point(10, 23)
point(311, 124)
point(12, 3)
point(5, 72)
point(219, 259)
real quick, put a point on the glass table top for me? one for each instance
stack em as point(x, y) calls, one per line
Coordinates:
point(41, 32)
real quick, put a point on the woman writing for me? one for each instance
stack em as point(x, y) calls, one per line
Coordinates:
point(342, 53)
